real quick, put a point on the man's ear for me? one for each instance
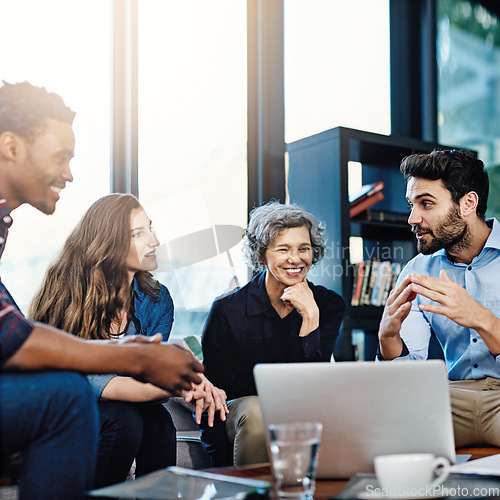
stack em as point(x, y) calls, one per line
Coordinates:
point(469, 203)
point(10, 145)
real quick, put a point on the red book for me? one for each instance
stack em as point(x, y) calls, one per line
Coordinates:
point(361, 270)
point(365, 192)
point(366, 203)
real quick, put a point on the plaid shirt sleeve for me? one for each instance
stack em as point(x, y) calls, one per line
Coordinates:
point(14, 327)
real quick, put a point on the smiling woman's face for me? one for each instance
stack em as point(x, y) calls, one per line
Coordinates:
point(289, 256)
point(143, 242)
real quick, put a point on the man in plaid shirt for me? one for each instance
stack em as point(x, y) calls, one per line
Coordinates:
point(51, 415)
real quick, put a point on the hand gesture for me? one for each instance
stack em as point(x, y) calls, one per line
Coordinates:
point(396, 309)
point(453, 301)
point(205, 396)
point(170, 367)
point(301, 298)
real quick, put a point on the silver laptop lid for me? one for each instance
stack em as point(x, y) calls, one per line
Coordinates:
point(367, 409)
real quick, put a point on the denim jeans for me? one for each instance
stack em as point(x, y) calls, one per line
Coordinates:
point(52, 418)
point(142, 431)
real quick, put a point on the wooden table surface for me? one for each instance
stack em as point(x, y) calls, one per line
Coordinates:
point(325, 488)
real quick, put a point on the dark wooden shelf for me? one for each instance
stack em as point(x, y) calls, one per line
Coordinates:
point(374, 230)
point(364, 311)
point(318, 179)
point(385, 224)
point(362, 317)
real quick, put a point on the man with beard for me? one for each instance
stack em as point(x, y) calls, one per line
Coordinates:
point(451, 288)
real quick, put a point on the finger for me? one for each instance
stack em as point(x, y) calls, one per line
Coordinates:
point(198, 393)
point(443, 275)
point(396, 292)
point(183, 350)
point(444, 311)
point(178, 389)
point(157, 338)
point(135, 339)
point(407, 295)
point(194, 378)
point(429, 294)
point(199, 407)
point(185, 384)
point(187, 396)
point(209, 398)
point(223, 396)
point(198, 367)
point(211, 415)
point(403, 312)
point(223, 413)
point(218, 401)
point(435, 284)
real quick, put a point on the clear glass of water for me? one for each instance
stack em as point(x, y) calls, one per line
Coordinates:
point(294, 456)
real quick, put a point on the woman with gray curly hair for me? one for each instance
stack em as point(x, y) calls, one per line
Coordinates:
point(277, 317)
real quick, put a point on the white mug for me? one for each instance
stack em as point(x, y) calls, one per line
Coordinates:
point(409, 473)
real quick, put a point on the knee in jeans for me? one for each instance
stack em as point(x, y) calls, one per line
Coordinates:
point(121, 418)
point(72, 390)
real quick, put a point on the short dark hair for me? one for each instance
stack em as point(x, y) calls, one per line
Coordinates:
point(459, 170)
point(266, 223)
point(25, 109)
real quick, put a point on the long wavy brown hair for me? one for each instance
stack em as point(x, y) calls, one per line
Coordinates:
point(87, 288)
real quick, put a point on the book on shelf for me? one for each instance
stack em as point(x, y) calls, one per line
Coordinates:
point(373, 281)
point(366, 203)
point(366, 279)
point(376, 297)
point(374, 277)
point(358, 273)
point(386, 216)
point(365, 192)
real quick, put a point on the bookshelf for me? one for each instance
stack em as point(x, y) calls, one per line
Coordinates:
point(319, 168)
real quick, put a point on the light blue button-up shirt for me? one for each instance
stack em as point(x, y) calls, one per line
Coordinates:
point(466, 355)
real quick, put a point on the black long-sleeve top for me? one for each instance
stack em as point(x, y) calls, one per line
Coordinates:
point(244, 329)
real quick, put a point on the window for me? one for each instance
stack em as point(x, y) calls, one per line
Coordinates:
point(192, 147)
point(468, 47)
point(64, 47)
point(336, 66)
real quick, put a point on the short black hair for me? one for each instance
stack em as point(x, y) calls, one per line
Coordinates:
point(459, 170)
point(25, 109)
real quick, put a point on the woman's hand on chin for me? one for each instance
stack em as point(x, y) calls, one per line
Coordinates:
point(300, 297)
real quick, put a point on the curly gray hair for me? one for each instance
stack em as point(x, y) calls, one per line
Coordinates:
point(267, 221)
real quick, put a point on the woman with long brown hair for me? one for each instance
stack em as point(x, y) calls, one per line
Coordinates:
point(101, 288)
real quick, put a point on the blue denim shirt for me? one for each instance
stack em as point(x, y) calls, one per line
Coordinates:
point(466, 355)
point(150, 318)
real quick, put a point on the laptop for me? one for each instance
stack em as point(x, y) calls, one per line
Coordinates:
point(367, 409)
